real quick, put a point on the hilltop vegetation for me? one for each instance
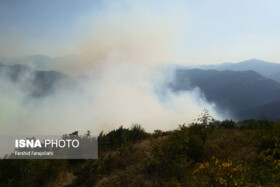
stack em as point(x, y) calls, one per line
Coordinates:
point(204, 153)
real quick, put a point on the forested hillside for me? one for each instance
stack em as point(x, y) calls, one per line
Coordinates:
point(241, 94)
point(35, 83)
point(204, 153)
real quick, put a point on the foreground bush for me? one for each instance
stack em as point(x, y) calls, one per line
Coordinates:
point(204, 153)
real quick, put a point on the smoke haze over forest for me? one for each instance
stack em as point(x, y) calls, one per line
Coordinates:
point(118, 68)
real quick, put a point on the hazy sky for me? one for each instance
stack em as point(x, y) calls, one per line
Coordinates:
point(206, 31)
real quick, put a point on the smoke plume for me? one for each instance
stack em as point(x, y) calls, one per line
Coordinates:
point(124, 61)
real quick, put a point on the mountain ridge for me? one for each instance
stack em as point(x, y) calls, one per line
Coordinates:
point(40, 83)
point(232, 91)
point(269, 70)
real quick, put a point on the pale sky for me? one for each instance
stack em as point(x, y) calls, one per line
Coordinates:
point(207, 31)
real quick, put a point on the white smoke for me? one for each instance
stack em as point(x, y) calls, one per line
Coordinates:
point(121, 95)
point(124, 60)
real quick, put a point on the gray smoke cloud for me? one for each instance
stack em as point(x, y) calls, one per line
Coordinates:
point(124, 64)
point(121, 95)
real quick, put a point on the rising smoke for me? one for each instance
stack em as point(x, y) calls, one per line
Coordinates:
point(125, 64)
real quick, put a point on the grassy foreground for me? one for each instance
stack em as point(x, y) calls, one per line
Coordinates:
point(204, 153)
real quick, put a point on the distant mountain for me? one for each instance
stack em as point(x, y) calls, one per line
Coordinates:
point(37, 83)
point(38, 62)
point(267, 69)
point(269, 111)
point(234, 92)
point(276, 76)
point(41, 62)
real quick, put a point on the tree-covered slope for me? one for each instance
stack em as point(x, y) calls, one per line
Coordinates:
point(203, 153)
point(232, 91)
point(37, 83)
